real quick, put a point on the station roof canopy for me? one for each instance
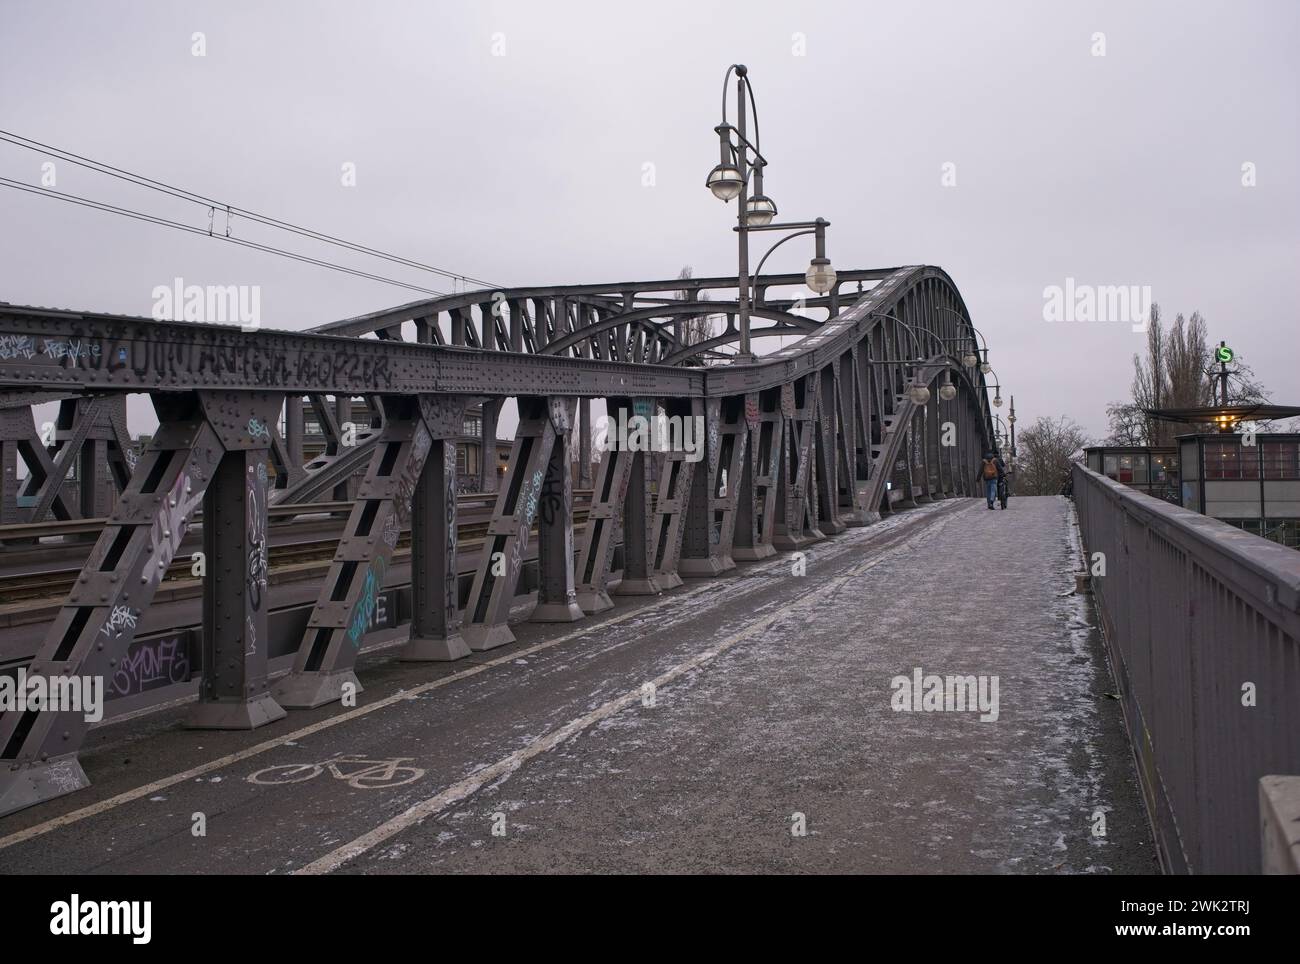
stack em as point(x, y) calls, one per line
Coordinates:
point(1225, 413)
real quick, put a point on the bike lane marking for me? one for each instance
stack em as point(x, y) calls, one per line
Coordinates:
point(148, 789)
point(388, 770)
point(505, 767)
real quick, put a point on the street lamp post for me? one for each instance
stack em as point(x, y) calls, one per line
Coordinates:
point(738, 160)
point(997, 388)
point(972, 358)
point(1011, 419)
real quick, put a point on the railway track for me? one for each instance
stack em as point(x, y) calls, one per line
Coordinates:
point(58, 582)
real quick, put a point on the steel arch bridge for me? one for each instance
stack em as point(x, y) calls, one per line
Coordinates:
point(816, 436)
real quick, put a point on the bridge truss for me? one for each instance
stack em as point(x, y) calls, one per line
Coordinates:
point(818, 435)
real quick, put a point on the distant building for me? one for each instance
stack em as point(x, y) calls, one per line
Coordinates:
point(1255, 487)
point(1152, 469)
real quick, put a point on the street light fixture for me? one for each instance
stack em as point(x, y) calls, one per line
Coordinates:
point(725, 182)
point(738, 159)
point(947, 391)
point(759, 209)
point(997, 386)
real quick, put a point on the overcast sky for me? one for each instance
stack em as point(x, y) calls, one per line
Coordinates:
point(508, 141)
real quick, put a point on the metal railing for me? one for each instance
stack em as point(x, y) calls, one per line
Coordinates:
point(1202, 623)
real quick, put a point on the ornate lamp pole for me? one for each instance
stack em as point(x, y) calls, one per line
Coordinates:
point(738, 160)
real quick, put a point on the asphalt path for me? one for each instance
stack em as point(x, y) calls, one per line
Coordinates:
point(747, 723)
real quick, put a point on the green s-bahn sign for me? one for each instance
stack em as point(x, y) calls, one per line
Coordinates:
point(1224, 354)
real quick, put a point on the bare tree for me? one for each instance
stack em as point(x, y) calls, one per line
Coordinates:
point(1044, 452)
point(1176, 373)
point(693, 329)
point(1128, 424)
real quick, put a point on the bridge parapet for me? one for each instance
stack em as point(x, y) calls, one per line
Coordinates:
point(1202, 624)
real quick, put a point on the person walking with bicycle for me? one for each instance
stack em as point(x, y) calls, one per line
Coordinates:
point(992, 474)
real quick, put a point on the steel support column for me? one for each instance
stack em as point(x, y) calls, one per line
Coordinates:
point(638, 517)
point(487, 467)
point(756, 501)
point(556, 594)
point(236, 591)
point(435, 579)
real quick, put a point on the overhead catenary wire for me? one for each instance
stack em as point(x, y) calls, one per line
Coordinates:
point(191, 229)
point(193, 197)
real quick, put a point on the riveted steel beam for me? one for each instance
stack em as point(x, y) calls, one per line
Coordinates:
point(542, 422)
point(349, 597)
point(676, 471)
point(756, 501)
point(596, 548)
point(710, 516)
point(796, 503)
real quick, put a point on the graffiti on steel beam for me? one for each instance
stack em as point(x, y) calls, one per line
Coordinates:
point(392, 530)
point(150, 664)
point(120, 620)
point(363, 613)
point(529, 497)
point(73, 350)
point(258, 430)
point(552, 500)
point(16, 346)
point(451, 583)
point(257, 564)
point(410, 477)
point(245, 362)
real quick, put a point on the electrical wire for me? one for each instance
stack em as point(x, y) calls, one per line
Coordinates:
point(183, 194)
point(191, 229)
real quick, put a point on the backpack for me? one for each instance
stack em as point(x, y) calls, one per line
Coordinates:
point(990, 469)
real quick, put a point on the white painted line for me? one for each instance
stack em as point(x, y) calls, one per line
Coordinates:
point(129, 796)
point(508, 765)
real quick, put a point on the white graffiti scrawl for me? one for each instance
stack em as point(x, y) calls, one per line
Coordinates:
point(121, 619)
point(74, 349)
point(16, 346)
